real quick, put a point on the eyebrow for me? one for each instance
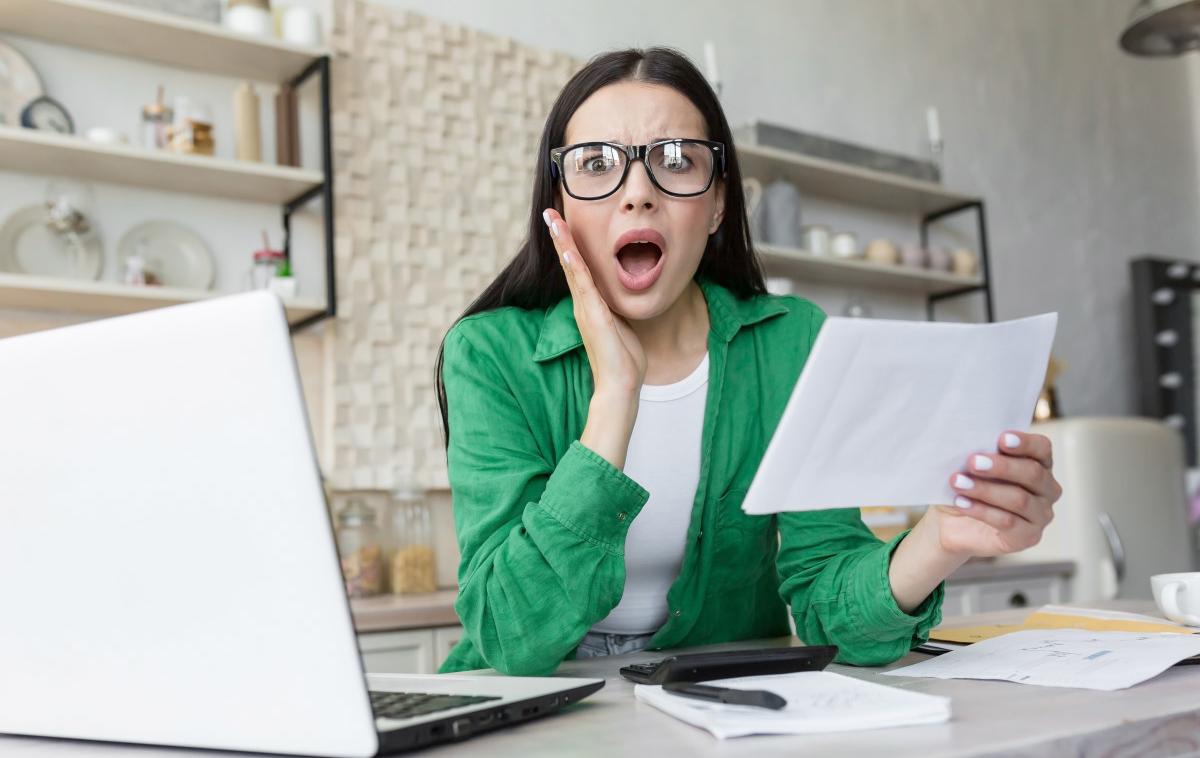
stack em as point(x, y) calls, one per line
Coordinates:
point(652, 139)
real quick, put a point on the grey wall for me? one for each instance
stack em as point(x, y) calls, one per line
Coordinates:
point(1086, 157)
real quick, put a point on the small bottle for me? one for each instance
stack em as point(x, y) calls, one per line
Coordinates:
point(414, 569)
point(135, 271)
point(247, 136)
point(156, 123)
point(360, 547)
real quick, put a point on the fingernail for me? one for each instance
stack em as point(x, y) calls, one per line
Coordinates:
point(1011, 440)
point(983, 463)
point(554, 228)
point(546, 217)
point(963, 482)
point(962, 502)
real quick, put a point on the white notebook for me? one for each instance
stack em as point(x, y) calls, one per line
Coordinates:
point(817, 701)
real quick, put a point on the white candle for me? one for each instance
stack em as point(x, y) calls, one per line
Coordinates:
point(935, 127)
point(710, 63)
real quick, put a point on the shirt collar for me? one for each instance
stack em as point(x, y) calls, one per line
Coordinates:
point(726, 313)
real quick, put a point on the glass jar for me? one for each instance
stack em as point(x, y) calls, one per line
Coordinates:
point(414, 569)
point(360, 546)
point(191, 131)
point(267, 263)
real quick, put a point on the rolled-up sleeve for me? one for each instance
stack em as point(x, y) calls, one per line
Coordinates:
point(834, 574)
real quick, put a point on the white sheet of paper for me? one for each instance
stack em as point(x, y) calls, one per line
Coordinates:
point(885, 412)
point(817, 701)
point(1062, 658)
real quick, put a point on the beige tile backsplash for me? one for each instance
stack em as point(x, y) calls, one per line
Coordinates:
point(435, 127)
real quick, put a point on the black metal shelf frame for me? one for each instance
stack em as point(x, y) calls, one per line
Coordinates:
point(1163, 293)
point(984, 265)
point(319, 67)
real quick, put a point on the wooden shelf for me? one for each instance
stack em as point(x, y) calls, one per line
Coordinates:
point(21, 292)
point(858, 273)
point(65, 155)
point(157, 37)
point(839, 181)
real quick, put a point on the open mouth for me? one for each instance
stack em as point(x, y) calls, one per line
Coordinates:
point(640, 255)
point(639, 258)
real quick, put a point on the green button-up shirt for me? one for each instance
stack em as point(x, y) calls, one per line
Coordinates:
point(541, 519)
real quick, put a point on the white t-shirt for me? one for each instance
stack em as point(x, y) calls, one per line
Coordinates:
point(663, 457)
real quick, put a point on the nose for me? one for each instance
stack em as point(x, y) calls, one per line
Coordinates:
point(638, 191)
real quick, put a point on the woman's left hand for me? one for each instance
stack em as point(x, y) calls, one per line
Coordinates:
point(1005, 499)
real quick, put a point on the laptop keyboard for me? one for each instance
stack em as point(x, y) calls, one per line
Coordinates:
point(403, 705)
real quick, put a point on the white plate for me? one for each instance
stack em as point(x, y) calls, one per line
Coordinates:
point(29, 246)
point(19, 84)
point(174, 253)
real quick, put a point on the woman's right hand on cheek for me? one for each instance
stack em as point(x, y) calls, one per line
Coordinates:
point(613, 350)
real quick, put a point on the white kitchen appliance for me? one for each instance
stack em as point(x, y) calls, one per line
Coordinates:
point(1123, 516)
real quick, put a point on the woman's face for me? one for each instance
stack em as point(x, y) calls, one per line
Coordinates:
point(637, 113)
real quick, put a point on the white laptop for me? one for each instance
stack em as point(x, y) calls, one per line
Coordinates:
point(168, 573)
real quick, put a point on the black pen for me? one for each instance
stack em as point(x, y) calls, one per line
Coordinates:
point(756, 698)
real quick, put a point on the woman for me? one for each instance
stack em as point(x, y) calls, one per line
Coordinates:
point(608, 398)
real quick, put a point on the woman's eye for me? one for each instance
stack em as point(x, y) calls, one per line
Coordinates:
point(676, 163)
point(597, 165)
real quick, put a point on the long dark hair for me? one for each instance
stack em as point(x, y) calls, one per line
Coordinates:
point(535, 279)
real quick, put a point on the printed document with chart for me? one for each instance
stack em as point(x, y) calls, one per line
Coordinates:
point(885, 412)
point(1062, 658)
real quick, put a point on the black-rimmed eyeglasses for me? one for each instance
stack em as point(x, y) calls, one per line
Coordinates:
point(678, 167)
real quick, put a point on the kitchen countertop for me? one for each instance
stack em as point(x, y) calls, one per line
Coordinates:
point(395, 612)
point(399, 612)
point(984, 571)
point(992, 718)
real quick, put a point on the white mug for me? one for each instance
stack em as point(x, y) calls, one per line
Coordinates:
point(815, 240)
point(1178, 596)
point(844, 245)
point(301, 26)
point(248, 19)
point(780, 285)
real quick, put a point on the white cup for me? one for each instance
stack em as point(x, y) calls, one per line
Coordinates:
point(780, 285)
point(815, 239)
point(1178, 596)
point(104, 135)
point(301, 26)
point(248, 19)
point(844, 245)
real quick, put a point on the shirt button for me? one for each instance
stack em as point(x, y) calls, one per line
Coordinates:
point(621, 516)
point(701, 534)
point(676, 614)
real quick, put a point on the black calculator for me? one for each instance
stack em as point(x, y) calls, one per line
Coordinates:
point(728, 664)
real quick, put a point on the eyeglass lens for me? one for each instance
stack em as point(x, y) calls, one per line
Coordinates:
point(683, 168)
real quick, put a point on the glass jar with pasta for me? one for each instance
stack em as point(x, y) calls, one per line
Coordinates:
point(360, 546)
point(413, 567)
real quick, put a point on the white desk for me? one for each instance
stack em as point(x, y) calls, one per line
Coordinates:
point(1159, 717)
